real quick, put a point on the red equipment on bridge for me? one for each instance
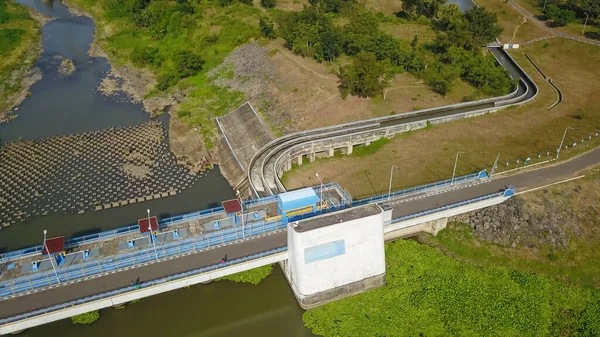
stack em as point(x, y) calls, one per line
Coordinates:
point(143, 224)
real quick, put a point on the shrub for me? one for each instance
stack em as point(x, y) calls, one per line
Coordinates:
point(86, 318)
point(267, 3)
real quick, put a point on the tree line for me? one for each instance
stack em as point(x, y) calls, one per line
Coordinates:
point(563, 12)
point(377, 56)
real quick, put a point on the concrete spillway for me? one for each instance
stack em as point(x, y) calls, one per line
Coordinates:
point(269, 163)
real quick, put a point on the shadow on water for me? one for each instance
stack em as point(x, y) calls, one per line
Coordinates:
point(218, 309)
point(72, 225)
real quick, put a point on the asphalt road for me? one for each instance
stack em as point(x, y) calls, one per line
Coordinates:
point(67, 293)
point(523, 181)
point(62, 294)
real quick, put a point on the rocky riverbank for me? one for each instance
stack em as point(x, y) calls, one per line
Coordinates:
point(516, 222)
point(137, 85)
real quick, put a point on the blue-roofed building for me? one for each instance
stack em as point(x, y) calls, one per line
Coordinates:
point(296, 201)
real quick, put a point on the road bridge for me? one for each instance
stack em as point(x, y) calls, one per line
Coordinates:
point(405, 212)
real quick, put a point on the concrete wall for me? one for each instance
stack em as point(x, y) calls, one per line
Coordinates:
point(363, 260)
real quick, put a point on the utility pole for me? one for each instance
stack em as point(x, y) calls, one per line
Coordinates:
point(561, 142)
point(454, 171)
point(495, 165)
point(242, 206)
point(151, 234)
point(390, 186)
point(321, 200)
point(51, 257)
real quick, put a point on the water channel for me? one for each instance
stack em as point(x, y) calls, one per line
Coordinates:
point(59, 106)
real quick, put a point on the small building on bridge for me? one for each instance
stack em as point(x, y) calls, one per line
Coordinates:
point(296, 203)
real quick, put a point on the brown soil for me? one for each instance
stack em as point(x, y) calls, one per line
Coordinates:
point(428, 155)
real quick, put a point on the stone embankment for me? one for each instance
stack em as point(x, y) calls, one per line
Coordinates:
point(512, 223)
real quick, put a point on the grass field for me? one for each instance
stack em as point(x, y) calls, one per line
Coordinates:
point(576, 263)
point(509, 19)
point(428, 155)
point(19, 38)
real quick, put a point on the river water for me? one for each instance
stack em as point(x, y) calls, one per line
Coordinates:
point(59, 106)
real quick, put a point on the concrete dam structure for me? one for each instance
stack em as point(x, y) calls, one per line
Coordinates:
point(267, 165)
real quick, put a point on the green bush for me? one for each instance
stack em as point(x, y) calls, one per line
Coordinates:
point(86, 318)
point(9, 39)
point(430, 294)
point(252, 276)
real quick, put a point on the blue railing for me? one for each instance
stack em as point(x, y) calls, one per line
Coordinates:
point(443, 208)
point(112, 234)
point(143, 285)
point(24, 284)
point(422, 188)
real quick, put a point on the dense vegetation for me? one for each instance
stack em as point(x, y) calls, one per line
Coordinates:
point(430, 294)
point(86, 318)
point(562, 12)
point(457, 52)
point(18, 33)
point(252, 276)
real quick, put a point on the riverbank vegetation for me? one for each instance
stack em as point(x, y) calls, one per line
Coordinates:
point(430, 294)
point(252, 276)
point(19, 48)
point(86, 318)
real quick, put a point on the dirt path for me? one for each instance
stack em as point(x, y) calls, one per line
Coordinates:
point(516, 29)
point(552, 31)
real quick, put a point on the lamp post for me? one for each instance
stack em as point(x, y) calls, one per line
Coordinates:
point(454, 171)
point(321, 200)
point(50, 257)
point(390, 187)
point(242, 206)
point(563, 139)
point(150, 232)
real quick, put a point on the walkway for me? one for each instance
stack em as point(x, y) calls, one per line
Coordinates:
point(277, 239)
point(551, 30)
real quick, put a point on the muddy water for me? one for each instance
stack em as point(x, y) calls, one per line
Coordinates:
point(218, 309)
point(71, 105)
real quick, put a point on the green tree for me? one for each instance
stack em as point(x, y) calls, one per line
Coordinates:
point(187, 63)
point(266, 27)
point(560, 17)
point(427, 8)
point(267, 3)
point(364, 78)
point(360, 32)
point(591, 7)
point(483, 26)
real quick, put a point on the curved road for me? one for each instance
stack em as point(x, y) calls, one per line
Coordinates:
point(262, 173)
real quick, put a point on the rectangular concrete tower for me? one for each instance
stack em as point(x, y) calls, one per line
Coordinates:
point(336, 255)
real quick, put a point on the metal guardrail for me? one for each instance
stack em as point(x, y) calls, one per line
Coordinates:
point(115, 233)
point(67, 274)
point(443, 208)
point(416, 189)
point(143, 285)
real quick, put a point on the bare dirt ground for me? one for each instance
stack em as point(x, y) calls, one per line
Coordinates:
point(293, 93)
point(428, 155)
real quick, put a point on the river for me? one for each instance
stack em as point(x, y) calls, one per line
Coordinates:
point(60, 106)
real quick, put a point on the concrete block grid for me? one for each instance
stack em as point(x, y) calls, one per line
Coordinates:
point(127, 294)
